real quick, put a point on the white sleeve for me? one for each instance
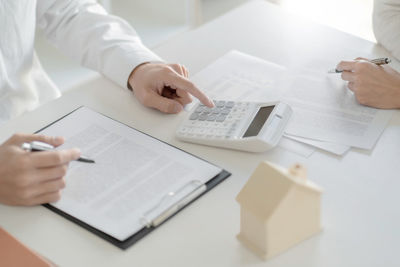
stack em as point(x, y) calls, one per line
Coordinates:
point(83, 30)
point(386, 23)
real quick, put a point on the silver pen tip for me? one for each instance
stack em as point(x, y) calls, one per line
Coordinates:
point(334, 71)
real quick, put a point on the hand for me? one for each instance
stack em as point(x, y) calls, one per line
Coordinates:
point(373, 85)
point(31, 178)
point(165, 87)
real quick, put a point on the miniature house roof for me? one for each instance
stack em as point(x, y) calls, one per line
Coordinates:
point(268, 186)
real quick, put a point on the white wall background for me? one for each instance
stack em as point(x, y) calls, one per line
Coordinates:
point(159, 20)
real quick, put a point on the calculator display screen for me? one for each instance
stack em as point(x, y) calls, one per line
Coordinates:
point(258, 121)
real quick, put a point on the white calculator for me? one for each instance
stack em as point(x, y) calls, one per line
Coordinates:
point(248, 126)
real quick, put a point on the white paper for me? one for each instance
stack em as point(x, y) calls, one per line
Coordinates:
point(324, 109)
point(301, 149)
point(237, 76)
point(133, 172)
point(337, 149)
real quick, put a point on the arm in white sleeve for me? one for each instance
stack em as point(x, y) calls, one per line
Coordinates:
point(386, 23)
point(84, 31)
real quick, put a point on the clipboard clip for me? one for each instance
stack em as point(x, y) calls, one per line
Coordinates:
point(154, 217)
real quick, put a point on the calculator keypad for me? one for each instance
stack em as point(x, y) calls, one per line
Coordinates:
point(222, 121)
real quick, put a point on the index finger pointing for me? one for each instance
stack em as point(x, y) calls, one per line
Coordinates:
point(54, 158)
point(346, 65)
point(176, 81)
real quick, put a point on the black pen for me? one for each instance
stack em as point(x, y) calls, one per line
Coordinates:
point(40, 146)
point(377, 61)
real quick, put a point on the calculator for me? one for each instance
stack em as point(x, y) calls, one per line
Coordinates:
point(248, 126)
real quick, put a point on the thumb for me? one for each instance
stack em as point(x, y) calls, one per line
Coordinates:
point(346, 65)
point(163, 104)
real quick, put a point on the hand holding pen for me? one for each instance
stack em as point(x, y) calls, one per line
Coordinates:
point(377, 61)
point(33, 178)
point(373, 82)
point(37, 146)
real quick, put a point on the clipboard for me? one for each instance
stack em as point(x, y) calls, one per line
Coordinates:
point(168, 205)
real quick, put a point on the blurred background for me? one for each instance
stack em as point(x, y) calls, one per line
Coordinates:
point(158, 20)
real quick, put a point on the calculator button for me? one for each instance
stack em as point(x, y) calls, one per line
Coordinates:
point(198, 109)
point(225, 111)
point(217, 110)
point(194, 116)
point(212, 117)
point(229, 104)
point(221, 118)
point(220, 104)
point(203, 117)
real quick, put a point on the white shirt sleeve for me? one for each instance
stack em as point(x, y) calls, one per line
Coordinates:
point(386, 24)
point(84, 31)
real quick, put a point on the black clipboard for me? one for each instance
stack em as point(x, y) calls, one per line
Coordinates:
point(124, 244)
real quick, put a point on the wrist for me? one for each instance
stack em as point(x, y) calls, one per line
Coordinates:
point(131, 77)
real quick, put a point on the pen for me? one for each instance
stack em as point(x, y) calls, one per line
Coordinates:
point(40, 146)
point(377, 61)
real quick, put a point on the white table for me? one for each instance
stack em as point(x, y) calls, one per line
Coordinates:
point(360, 214)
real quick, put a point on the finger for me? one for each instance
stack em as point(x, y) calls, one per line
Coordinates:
point(49, 173)
point(186, 72)
point(161, 103)
point(348, 76)
point(19, 139)
point(183, 97)
point(178, 82)
point(48, 187)
point(54, 158)
point(351, 86)
point(346, 65)
point(168, 92)
point(362, 58)
point(177, 68)
point(46, 198)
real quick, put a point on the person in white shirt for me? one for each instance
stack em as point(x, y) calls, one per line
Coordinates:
point(378, 86)
point(83, 30)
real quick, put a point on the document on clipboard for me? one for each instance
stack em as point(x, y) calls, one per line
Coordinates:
point(136, 184)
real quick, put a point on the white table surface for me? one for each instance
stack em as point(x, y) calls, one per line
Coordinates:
point(360, 213)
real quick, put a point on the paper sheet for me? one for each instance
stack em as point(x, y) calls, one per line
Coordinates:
point(337, 149)
point(324, 110)
point(133, 172)
point(237, 76)
point(291, 145)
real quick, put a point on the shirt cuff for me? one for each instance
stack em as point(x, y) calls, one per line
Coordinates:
point(123, 60)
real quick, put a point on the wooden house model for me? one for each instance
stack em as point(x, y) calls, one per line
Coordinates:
point(278, 209)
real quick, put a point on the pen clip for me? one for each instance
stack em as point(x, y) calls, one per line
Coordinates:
point(26, 146)
point(172, 202)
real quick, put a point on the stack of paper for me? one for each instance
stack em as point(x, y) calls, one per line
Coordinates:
point(326, 114)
